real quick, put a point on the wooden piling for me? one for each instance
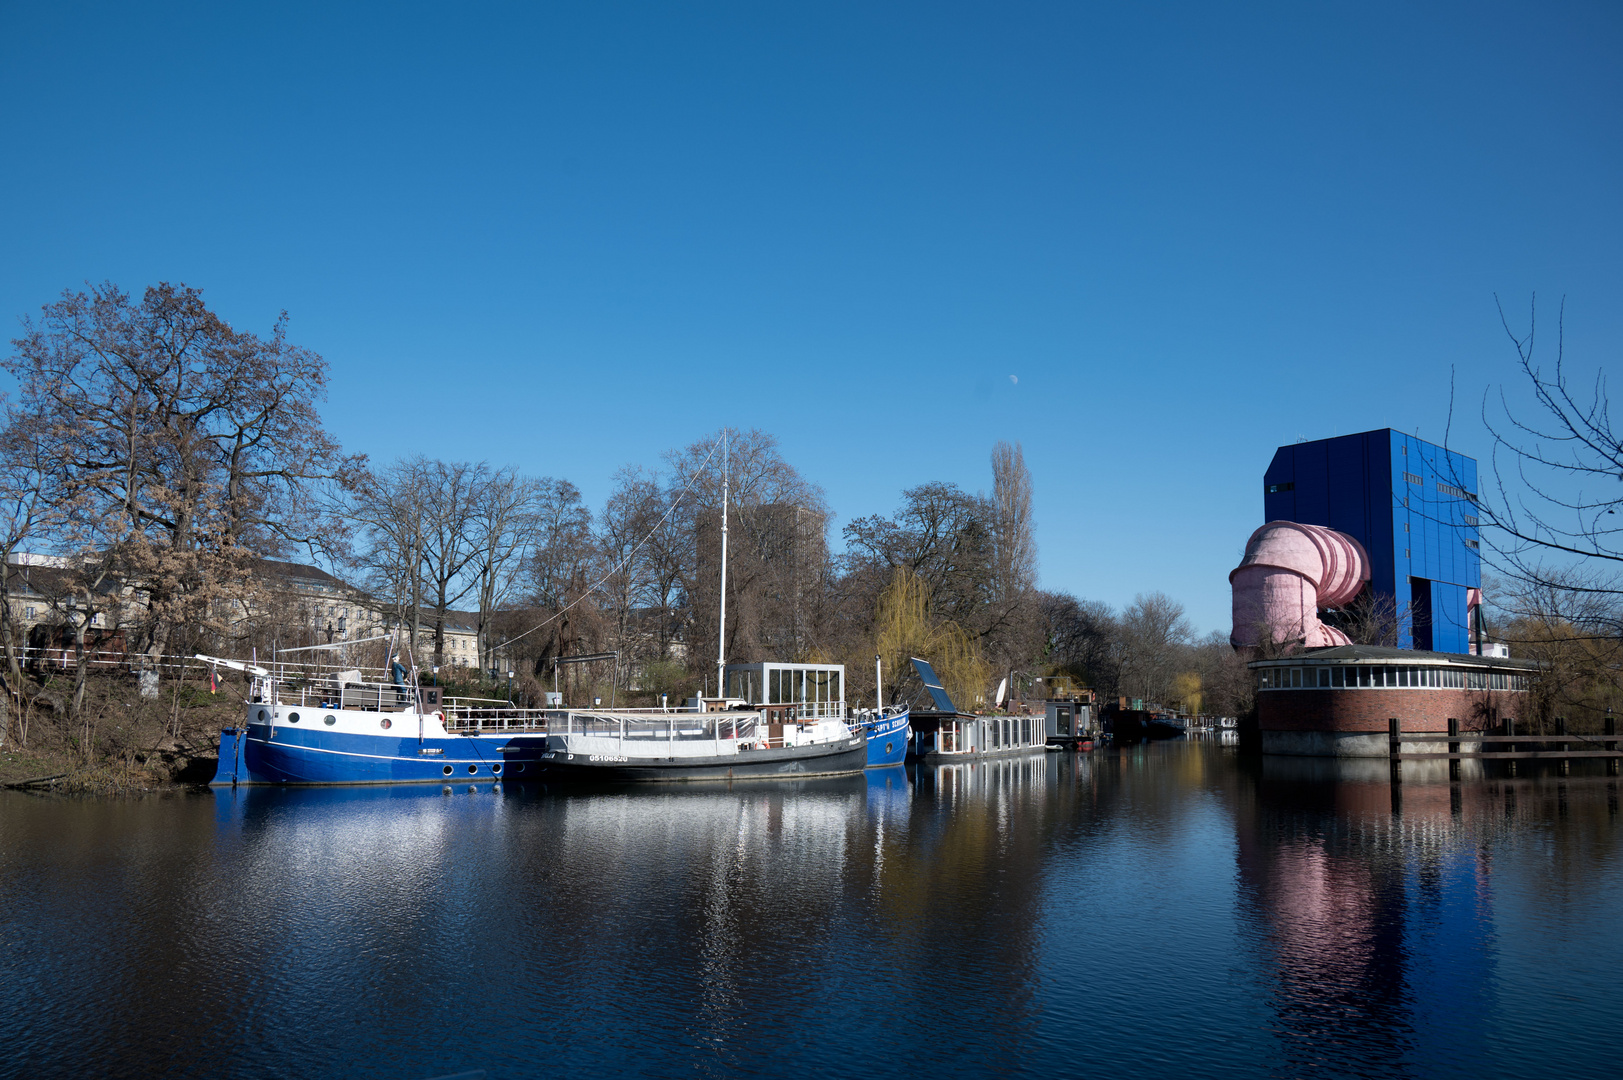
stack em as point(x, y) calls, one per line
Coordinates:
point(1453, 748)
point(1611, 729)
point(1394, 729)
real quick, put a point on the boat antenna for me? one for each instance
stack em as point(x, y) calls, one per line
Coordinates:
point(721, 635)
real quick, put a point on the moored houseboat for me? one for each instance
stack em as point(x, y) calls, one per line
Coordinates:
point(944, 734)
point(784, 691)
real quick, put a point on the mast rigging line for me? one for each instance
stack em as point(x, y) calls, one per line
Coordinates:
point(589, 590)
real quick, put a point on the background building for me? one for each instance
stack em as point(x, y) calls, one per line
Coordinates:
point(1412, 505)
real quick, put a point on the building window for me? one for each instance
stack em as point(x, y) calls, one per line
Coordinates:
point(1458, 493)
point(1473, 545)
point(31, 613)
point(1405, 553)
point(1471, 520)
point(1412, 478)
point(1274, 489)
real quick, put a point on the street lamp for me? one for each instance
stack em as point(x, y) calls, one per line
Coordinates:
point(510, 687)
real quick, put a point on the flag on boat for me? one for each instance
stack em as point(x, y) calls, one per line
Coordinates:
point(214, 680)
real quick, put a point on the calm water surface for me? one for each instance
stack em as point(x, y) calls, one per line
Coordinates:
point(1164, 910)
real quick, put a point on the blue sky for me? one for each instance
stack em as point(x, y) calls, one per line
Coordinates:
point(571, 237)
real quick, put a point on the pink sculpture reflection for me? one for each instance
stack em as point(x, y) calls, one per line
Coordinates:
point(1289, 574)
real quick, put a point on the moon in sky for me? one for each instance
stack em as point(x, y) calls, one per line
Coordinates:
point(1014, 379)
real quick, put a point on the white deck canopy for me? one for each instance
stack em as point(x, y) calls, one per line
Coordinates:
point(818, 690)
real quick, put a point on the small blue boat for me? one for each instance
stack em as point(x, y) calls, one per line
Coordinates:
point(888, 734)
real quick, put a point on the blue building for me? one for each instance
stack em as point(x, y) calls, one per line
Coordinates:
point(1412, 504)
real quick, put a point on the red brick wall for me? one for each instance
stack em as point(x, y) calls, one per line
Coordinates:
point(1368, 710)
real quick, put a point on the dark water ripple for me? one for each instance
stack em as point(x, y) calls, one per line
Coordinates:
point(1149, 912)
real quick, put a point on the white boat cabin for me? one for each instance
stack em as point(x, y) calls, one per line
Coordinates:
point(814, 691)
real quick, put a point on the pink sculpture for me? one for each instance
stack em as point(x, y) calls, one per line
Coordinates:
point(1290, 573)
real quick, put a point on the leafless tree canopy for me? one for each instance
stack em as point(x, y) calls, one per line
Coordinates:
point(1557, 474)
point(1553, 531)
point(1014, 531)
point(168, 451)
point(171, 464)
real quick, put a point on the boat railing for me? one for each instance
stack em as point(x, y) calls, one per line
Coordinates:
point(734, 730)
point(330, 694)
point(869, 716)
point(504, 717)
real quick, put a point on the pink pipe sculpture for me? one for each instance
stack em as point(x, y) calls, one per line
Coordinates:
point(1290, 573)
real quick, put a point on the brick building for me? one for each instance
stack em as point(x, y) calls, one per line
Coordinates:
point(1337, 702)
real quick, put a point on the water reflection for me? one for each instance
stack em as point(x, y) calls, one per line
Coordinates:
point(1376, 902)
point(1037, 914)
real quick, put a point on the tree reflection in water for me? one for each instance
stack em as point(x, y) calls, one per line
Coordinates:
point(1147, 911)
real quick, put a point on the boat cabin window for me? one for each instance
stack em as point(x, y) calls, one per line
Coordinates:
point(816, 690)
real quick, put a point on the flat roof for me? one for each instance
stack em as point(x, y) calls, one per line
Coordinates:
point(1386, 654)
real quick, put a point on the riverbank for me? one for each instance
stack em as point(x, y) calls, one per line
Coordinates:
point(119, 743)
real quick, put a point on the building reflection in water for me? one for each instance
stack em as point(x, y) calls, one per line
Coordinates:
point(1374, 910)
point(1156, 910)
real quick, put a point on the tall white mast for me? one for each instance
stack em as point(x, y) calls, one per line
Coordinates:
point(721, 637)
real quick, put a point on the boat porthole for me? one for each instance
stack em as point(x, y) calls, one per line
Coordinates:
point(387, 723)
point(446, 770)
point(329, 719)
point(261, 716)
point(472, 769)
point(293, 718)
point(890, 747)
point(497, 769)
point(519, 767)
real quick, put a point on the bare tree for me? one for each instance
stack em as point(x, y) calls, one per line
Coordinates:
point(31, 508)
point(450, 495)
point(1154, 634)
point(1555, 475)
point(778, 546)
point(950, 539)
point(1374, 618)
point(1080, 638)
point(1013, 531)
point(562, 548)
point(630, 514)
point(394, 523)
point(502, 521)
point(188, 447)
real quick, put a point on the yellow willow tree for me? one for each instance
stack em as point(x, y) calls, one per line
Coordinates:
point(904, 630)
point(1188, 691)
